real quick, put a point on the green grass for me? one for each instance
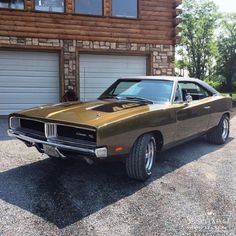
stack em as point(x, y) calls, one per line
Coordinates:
point(234, 95)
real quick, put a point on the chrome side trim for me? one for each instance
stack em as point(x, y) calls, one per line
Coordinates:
point(23, 137)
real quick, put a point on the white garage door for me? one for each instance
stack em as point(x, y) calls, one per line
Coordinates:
point(27, 79)
point(98, 72)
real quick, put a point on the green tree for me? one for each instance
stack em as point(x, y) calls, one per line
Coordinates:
point(227, 50)
point(199, 20)
point(181, 62)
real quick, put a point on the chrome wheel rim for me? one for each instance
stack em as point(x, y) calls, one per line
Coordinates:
point(225, 129)
point(149, 155)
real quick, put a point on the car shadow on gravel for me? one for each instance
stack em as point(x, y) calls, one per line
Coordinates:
point(63, 193)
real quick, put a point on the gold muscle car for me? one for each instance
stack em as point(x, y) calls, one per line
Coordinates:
point(133, 120)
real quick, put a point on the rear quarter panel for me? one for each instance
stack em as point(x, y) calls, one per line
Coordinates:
point(219, 106)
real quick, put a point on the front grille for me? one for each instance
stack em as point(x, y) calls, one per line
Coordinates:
point(50, 130)
point(62, 133)
point(76, 133)
point(32, 125)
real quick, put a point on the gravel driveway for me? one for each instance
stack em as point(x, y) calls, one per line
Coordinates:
point(192, 192)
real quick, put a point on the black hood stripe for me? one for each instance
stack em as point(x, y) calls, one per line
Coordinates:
point(117, 106)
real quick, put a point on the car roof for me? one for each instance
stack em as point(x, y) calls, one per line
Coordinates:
point(173, 78)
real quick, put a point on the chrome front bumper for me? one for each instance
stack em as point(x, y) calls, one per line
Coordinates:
point(96, 152)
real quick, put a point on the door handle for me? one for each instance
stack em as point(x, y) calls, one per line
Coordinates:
point(207, 107)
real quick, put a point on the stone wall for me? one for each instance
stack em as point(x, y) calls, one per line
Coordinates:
point(162, 56)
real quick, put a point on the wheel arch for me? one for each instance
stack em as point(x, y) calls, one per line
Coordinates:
point(227, 114)
point(158, 138)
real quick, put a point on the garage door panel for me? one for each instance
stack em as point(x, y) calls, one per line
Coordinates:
point(10, 108)
point(24, 98)
point(115, 76)
point(112, 66)
point(8, 90)
point(30, 63)
point(98, 72)
point(33, 82)
point(113, 58)
point(113, 63)
point(27, 79)
point(37, 56)
point(29, 73)
point(127, 70)
point(95, 85)
point(94, 90)
point(7, 67)
point(91, 76)
point(31, 79)
point(14, 106)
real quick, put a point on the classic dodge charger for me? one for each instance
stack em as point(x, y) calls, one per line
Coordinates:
point(133, 120)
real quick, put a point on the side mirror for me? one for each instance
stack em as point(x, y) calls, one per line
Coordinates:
point(188, 98)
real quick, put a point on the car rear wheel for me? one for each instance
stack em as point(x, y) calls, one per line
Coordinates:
point(140, 162)
point(220, 133)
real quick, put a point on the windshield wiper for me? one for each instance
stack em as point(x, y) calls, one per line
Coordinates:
point(108, 97)
point(135, 98)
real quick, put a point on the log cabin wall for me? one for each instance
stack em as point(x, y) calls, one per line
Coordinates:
point(152, 33)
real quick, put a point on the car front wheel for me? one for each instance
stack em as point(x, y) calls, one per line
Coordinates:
point(220, 133)
point(140, 162)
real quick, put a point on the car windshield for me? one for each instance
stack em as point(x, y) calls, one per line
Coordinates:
point(152, 91)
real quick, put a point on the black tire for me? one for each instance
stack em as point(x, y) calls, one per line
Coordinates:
point(220, 133)
point(138, 166)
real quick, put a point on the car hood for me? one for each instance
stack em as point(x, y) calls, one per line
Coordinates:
point(96, 113)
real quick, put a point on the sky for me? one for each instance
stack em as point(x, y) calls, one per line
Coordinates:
point(226, 5)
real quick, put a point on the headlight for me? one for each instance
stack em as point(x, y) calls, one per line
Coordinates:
point(14, 122)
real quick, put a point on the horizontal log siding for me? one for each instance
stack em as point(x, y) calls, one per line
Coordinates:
point(156, 24)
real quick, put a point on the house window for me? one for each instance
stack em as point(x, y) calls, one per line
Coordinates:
point(49, 5)
point(12, 4)
point(125, 8)
point(89, 7)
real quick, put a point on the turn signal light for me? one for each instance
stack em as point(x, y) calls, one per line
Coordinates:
point(119, 149)
point(101, 152)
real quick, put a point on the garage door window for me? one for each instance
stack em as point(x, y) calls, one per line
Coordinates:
point(12, 4)
point(49, 5)
point(124, 8)
point(89, 7)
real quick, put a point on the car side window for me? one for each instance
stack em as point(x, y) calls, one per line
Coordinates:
point(196, 91)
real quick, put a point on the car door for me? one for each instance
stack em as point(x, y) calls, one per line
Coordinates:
point(193, 117)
